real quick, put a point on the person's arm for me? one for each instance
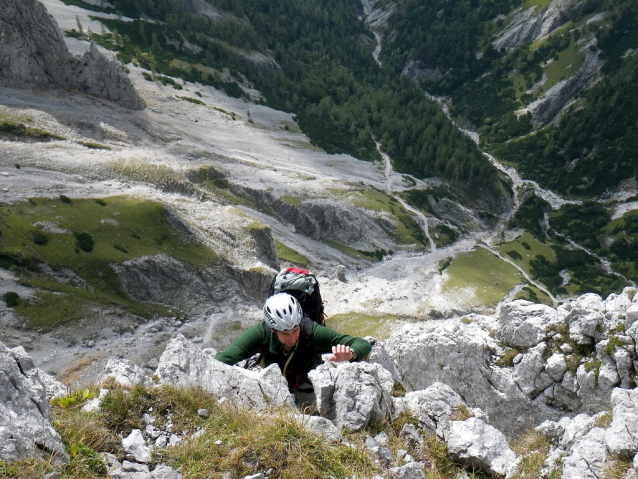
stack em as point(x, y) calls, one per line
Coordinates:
point(249, 343)
point(342, 346)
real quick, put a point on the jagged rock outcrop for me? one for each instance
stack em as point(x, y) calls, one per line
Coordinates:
point(166, 280)
point(454, 370)
point(33, 53)
point(463, 356)
point(559, 96)
point(529, 25)
point(184, 365)
point(25, 417)
point(562, 360)
point(353, 395)
point(322, 218)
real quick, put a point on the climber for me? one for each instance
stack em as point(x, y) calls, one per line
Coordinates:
point(294, 342)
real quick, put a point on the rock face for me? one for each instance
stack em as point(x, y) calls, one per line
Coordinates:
point(463, 356)
point(33, 53)
point(163, 279)
point(25, 418)
point(558, 96)
point(529, 25)
point(564, 359)
point(353, 394)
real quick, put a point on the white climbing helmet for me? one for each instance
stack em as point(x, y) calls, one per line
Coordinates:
point(282, 312)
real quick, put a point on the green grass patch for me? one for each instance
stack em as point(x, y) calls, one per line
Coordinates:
point(192, 100)
point(293, 200)
point(535, 295)
point(359, 324)
point(565, 66)
point(94, 146)
point(486, 274)
point(284, 253)
point(524, 249)
point(407, 232)
point(19, 129)
point(139, 228)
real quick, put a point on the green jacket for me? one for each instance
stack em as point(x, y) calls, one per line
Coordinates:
point(304, 356)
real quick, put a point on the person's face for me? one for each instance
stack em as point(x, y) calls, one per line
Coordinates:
point(288, 338)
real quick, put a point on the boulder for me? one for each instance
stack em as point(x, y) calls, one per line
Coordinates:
point(622, 435)
point(433, 407)
point(319, 425)
point(477, 444)
point(587, 457)
point(524, 324)
point(353, 395)
point(182, 364)
point(125, 373)
point(25, 415)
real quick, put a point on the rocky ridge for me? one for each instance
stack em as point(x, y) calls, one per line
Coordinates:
point(571, 377)
point(33, 53)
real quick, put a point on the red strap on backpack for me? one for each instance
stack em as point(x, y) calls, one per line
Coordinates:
point(297, 270)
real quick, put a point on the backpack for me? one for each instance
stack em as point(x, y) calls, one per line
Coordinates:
point(303, 285)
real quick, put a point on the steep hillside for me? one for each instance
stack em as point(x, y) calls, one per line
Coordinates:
point(313, 59)
point(550, 89)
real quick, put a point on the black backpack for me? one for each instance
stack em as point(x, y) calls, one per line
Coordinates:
point(303, 285)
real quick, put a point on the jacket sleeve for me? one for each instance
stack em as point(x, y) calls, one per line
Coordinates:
point(249, 343)
point(325, 338)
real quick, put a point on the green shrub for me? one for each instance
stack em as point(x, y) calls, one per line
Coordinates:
point(100, 202)
point(613, 343)
point(11, 298)
point(65, 199)
point(514, 255)
point(39, 238)
point(84, 241)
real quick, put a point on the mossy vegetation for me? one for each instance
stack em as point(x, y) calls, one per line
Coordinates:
point(86, 237)
point(20, 130)
point(482, 272)
point(284, 253)
point(407, 229)
point(359, 324)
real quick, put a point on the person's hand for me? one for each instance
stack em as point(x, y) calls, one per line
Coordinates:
point(340, 353)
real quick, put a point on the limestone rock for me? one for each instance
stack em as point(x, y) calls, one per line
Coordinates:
point(136, 447)
point(587, 458)
point(184, 365)
point(353, 395)
point(527, 26)
point(525, 324)
point(433, 407)
point(462, 356)
point(25, 417)
point(412, 470)
point(164, 279)
point(622, 435)
point(481, 446)
point(319, 425)
point(124, 372)
point(33, 53)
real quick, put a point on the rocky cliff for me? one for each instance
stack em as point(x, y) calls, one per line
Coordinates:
point(33, 53)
